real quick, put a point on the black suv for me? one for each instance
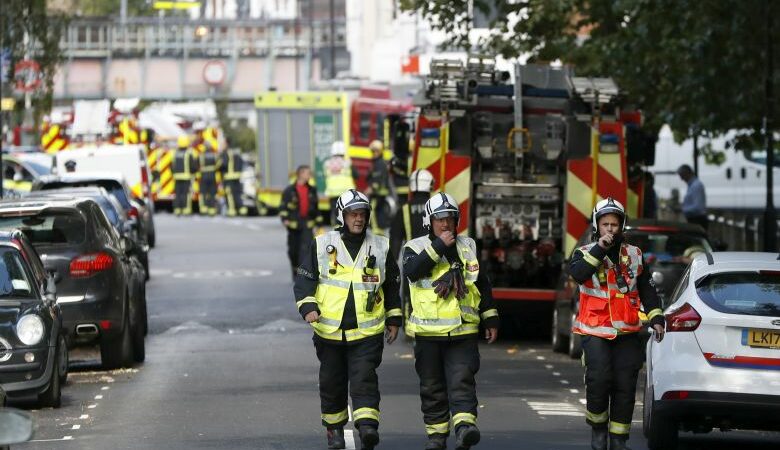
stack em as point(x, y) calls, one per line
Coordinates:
point(100, 288)
point(667, 248)
point(33, 352)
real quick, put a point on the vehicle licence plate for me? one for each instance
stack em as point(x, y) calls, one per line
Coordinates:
point(761, 338)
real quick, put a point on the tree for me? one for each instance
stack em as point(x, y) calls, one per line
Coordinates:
point(103, 8)
point(29, 31)
point(697, 65)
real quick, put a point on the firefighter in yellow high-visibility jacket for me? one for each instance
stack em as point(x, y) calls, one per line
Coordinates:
point(185, 166)
point(450, 297)
point(230, 165)
point(347, 289)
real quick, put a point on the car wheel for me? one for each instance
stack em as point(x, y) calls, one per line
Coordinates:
point(647, 401)
point(575, 342)
point(139, 344)
point(64, 361)
point(52, 396)
point(662, 431)
point(151, 238)
point(145, 314)
point(558, 340)
point(118, 352)
point(144, 257)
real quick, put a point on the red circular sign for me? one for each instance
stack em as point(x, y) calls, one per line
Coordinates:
point(214, 72)
point(27, 74)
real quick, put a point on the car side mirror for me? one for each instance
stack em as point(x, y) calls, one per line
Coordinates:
point(50, 289)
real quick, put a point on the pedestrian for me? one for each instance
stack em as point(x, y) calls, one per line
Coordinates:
point(70, 166)
point(450, 296)
point(613, 286)
point(694, 205)
point(378, 187)
point(299, 214)
point(208, 180)
point(230, 166)
point(650, 203)
point(185, 166)
point(347, 289)
point(338, 176)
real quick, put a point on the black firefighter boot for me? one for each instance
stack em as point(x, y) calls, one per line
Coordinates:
point(598, 438)
point(369, 437)
point(436, 442)
point(466, 436)
point(336, 438)
point(617, 442)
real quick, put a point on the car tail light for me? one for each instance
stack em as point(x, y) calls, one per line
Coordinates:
point(88, 265)
point(684, 319)
point(133, 212)
point(144, 180)
point(675, 395)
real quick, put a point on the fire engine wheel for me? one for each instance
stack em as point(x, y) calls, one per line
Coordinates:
point(559, 341)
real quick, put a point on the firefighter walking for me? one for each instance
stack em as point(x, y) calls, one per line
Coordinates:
point(208, 180)
point(378, 188)
point(299, 213)
point(347, 289)
point(613, 285)
point(185, 166)
point(230, 166)
point(449, 299)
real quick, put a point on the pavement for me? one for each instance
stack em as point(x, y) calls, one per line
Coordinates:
point(230, 365)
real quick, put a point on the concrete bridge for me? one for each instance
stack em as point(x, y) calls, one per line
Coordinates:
point(178, 59)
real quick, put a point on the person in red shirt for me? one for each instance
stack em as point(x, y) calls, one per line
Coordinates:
point(299, 214)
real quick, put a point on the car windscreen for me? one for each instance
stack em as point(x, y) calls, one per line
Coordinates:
point(38, 167)
point(49, 227)
point(751, 293)
point(14, 280)
point(668, 246)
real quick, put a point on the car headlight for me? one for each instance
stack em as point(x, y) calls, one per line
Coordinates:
point(30, 329)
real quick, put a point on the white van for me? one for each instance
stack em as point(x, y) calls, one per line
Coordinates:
point(129, 160)
point(739, 182)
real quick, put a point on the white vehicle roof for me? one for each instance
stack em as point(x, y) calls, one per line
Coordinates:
point(733, 262)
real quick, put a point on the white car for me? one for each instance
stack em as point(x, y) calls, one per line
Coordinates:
point(719, 364)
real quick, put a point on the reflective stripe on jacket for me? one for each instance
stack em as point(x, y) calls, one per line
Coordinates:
point(434, 316)
point(604, 311)
point(338, 272)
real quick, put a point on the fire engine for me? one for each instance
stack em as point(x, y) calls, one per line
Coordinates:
point(526, 161)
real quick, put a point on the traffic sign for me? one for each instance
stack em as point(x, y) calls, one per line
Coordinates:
point(27, 74)
point(214, 72)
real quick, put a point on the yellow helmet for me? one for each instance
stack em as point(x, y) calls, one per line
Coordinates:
point(376, 145)
point(183, 141)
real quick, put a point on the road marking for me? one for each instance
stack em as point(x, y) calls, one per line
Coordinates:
point(574, 391)
point(556, 374)
point(564, 382)
point(583, 401)
point(64, 438)
point(211, 274)
point(548, 366)
point(91, 406)
point(98, 397)
point(556, 409)
point(541, 358)
point(84, 417)
point(75, 427)
point(349, 439)
point(105, 388)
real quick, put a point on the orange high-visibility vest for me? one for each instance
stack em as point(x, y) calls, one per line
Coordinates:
point(605, 311)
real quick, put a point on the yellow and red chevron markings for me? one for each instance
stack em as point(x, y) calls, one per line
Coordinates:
point(52, 140)
point(160, 160)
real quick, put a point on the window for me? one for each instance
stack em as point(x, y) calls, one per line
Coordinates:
point(748, 293)
point(47, 227)
point(681, 286)
point(14, 279)
point(365, 126)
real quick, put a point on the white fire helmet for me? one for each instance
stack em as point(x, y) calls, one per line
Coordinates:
point(338, 149)
point(440, 206)
point(608, 206)
point(421, 181)
point(351, 200)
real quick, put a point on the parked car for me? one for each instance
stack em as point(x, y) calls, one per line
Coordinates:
point(21, 168)
point(718, 363)
point(101, 288)
point(667, 248)
point(33, 350)
point(116, 215)
point(115, 184)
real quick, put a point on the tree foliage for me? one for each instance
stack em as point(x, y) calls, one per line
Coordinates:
point(698, 65)
point(20, 18)
point(104, 8)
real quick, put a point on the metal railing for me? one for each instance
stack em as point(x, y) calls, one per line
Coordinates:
point(147, 37)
